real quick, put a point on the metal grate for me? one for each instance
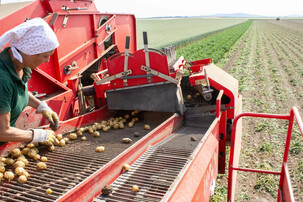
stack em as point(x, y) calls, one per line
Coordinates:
point(64, 171)
point(153, 173)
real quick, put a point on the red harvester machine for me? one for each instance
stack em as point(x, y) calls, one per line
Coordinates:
point(97, 72)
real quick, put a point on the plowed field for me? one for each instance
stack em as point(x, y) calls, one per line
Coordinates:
point(268, 61)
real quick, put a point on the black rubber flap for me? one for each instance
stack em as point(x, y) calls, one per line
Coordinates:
point(164, 97)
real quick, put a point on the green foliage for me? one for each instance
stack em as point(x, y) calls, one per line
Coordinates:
point(261, 126)
point(180, 31)
point(296, 147)
point(267, 183)
point(220, 194)
point(214, 46)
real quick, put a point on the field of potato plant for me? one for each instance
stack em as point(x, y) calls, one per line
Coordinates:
point(266, 57)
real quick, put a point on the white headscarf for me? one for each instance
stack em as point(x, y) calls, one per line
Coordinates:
point(31, 37)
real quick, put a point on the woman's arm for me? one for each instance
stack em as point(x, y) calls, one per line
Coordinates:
point(32, 101)
point(8, 133)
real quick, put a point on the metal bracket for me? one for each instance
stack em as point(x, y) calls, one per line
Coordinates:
point(64, 20)
point(116, 76)
point(159, 74)
point(68, 69)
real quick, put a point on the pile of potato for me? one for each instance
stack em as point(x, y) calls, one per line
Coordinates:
point(18, 159)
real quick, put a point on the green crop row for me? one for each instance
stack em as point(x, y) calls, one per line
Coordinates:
point(180, 31)
point(214, 46)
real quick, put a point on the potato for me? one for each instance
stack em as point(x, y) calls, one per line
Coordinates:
point(90, 130)
point(79, 133)
point(24, 160)
point(2, 167)
point(2, 159)
point(126, 167)
point(81, 130)
point(83, 138)
point(41, 165)
point(19, 164)
point(107, 190)
point(103, 122)
point(25, 151)
point(94, 127)
point(62, 142)
point(51, 148)
point(25, 173)
point(73, 136)
point(116, 126)
point(9, 161)
point(133, 113)
point(19, 171)
point(22, 179)
point(15, 153)
point(36, 149)
point(59, 137)
point(96, 134)
point(126, 116)
point(32, 153)
point(126, 140)
point(43, 158)
point(135, 188)
point(130, 124)
point(100, 149)
point(49, 191)
point(9, 175)
point(1, 176)
point(31, 145)
point(121, 125)
point(107, 128)
point(66, 140)
point(188, 97)
point(37, 157)
point(147, 127)
point(99, 127)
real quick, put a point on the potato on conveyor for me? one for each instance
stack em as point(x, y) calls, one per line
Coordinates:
point(19, 164)
point(100, 149)
point(2, 167)
point(9, 161)
point(32, 153)
point(73, 136)
point(15, 153)
point(43, 159)
point(127, 140)
point(41, 165)
point(126, 116)
point(79, 133)
point(59, 137)
point(130, 124)
point(25, 151)
point(96, 134)
point(62, 142)
point(1, 176)
point(25, 173)
point(51, 148)
point(22, 158)
point(37, 157)
point(107, 190)
point(135, 188)
point(9, 175)
point(22, 179)
point(2, 159)
point(49, 191)
point(90, 130)
point(188, 97)
point(19, 171)
point(66, 140)
point(31, 145)
point(83, 138)
point(147, 127)
point(126, 167)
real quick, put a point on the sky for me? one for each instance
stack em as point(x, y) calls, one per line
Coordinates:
point(158, 8)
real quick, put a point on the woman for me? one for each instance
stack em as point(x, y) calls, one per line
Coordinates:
point(32, 43)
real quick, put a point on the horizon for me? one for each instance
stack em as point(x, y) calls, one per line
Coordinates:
point(195, 8)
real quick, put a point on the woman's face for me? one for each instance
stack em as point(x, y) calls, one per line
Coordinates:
point(33, 61)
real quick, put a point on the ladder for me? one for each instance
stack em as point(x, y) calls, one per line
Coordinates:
point(285, 192)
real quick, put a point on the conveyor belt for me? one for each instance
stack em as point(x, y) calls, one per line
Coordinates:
point(70, 165)
point(156, 170)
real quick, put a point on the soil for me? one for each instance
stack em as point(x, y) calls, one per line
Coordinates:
point(268, 63)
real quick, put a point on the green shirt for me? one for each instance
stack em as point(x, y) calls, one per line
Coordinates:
point(13, 90)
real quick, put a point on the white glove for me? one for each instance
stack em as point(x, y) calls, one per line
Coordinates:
point(44, 136)
point(49, 114)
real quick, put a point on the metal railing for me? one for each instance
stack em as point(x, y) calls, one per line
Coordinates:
point(285, 189)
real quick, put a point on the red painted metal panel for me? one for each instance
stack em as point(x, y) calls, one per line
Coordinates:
point(107, 174)
point(286, 189)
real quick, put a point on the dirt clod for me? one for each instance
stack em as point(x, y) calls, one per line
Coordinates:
point(193, 139)
point(107, 190)
point(127, 140)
